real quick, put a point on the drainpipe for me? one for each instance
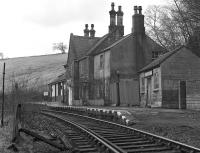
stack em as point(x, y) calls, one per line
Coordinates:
point(118, 89)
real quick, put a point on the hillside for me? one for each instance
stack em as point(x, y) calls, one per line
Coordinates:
point(33, 71)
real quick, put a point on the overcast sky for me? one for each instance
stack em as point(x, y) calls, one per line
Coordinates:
point(30, 27)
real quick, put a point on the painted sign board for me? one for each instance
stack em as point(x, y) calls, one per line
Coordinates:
point(149, 73)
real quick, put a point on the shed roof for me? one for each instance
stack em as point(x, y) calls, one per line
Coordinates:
point(59, 78)
point(160, 59)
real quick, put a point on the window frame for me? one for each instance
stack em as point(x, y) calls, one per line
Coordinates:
point(156, 80)
point(155, 54)
point(142, 83)
point(101, 62)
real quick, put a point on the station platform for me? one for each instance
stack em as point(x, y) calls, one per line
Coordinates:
point(137, 115)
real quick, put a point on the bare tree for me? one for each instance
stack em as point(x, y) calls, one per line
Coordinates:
point(162, 27)
point(174, 24)
point(60, 46)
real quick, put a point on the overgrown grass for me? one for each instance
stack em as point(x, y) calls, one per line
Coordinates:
point(40, 70)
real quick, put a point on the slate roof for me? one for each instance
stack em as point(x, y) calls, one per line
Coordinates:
point(118, 41)
point(160, 59)
point(81, 45)
point(103, 43)
point(59, 78)
point(98, 45)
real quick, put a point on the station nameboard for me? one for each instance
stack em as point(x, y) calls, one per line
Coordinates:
point(149, 73)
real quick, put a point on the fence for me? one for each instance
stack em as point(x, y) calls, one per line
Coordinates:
point(181, 94)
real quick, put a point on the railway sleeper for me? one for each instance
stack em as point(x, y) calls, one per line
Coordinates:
point(86, 150)
point(130, 140)
point(133, 143)
point(141, 146)
point(120, 137)
point(153, 149)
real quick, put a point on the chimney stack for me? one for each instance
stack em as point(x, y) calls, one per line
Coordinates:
point(92, 31)
point(112, 13)
point(135, 10)
point(138, 21)
point(120, 16)
point(86, 31)
point(120, 27)
point(140, 9)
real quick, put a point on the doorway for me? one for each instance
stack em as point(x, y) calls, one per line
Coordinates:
point(70, 96)
point(149, 92)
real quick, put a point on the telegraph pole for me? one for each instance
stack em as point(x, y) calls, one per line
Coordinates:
point(2, 111)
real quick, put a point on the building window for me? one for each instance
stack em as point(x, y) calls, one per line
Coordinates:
point(101, 62)
point(80, 68)
point(155, 55)
point(53, 90)
point(142, 84)
point(83, 67)
point(97, 89)
point(59, 89)
point(156, 80)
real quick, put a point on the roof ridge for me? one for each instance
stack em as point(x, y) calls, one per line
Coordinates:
point(118, 41)
point(84, 37)
point(103, 38)
point(97, 44)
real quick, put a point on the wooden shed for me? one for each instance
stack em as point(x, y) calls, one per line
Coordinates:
point(167, 81)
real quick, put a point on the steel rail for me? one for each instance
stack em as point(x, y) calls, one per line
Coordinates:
point(110, 146)
point(172, 143)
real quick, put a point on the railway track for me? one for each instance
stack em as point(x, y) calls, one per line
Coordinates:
point(96, 135)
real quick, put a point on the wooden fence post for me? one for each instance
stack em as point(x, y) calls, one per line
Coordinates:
point(2, 111)
point(16, 122)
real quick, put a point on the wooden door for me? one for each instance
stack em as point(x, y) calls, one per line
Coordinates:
point(182, 95)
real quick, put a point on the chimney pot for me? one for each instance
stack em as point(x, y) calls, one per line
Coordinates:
point(112, 13)
point(119, 8)
point(140, 9)
point(92, 31)
point(135, 9)
point(138, 21)
point(112, 5)
point(86, 31)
